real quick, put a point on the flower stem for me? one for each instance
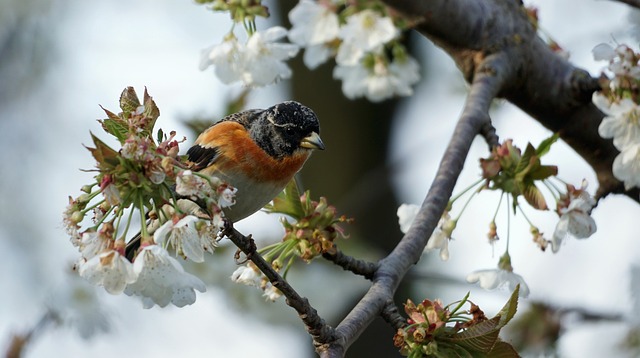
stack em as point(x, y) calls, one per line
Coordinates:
point(457, 196)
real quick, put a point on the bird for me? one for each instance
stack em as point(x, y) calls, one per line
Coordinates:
point(258, 152)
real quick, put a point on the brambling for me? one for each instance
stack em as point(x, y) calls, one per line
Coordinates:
point(257, 151)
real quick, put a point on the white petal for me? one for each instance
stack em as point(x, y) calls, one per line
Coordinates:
point(315, 55)
point(626, 166)
point(489, 279)
point(406, 214)
point(560, 233)
point(603, 52)
point(160, 235)
point(601, 101)
point(581, 225)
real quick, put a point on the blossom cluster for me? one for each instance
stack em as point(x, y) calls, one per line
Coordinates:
point(516, 174)
point(312, 232)
point(619, 101)
point(435, 330)
point(144, 176)
point(370, 60)
point(363, 38)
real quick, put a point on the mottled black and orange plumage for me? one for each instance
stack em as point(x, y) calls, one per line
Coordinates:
point(258, 152)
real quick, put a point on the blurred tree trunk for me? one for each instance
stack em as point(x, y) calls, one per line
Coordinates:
point(352, 171)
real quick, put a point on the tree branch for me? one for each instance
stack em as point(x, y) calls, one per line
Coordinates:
point(488, 81)
point(632, 3)
point(546, 86)
point(315, 325)
point(348, 263)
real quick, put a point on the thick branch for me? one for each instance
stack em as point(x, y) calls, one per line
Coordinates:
point(488, 81)
point(547, 87)
point(632, 3)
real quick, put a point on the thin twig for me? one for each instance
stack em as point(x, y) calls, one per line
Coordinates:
point(321, 333)
point(349, 263)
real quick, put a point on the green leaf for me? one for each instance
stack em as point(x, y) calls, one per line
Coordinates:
point(480, 337)
point(545, 145)
point(106, 157)
point(527, 161)
point(110, 114)
point(129, 101)
point(117, 128)
point(509, 310)
point(503, 349)
point(543, 172)
point(160, 136)
point(534, 196)
point(151, 111)
point(288, 202)
point(483, 336)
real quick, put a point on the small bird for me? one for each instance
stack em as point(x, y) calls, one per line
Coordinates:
point(257, 151)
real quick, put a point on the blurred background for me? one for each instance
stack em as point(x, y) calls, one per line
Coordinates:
point(60, 60)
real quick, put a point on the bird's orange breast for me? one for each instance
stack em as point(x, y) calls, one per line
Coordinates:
point(238, 152)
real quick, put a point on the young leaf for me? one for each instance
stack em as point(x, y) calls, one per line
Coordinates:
point(534, 196)
point(129, 101)
point(151, 111)
point(543, 172)
point(106, 157)
point(509, 310)
point(545, 145)
point(288, 202)
point(160, 137)
point(110, 114)
point(480, 337)
point(117, 128)
point(525, 162)
point(503, 349)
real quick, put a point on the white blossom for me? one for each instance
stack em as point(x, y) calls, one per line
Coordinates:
point(227, 197)
point(406, 214)
point(246, 275)
point(185, 237)
point(604, 52)
point(109, 269)
point(575, 218)
point(92, 243)
point(441, 235)
point(312, 24)
point(316, 55)
point(271, 293)
point(111, 195)
point(162, 280)
point(365, 31)
point(622, 122)
point(626, 166)
point(193, 186)
point(494, 278)
point(264, 57)
point(227, 59)
point(379, 82)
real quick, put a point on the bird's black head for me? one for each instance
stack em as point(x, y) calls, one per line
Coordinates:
point(286, 127)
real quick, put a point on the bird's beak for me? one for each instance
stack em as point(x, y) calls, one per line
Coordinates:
point(312, 141)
